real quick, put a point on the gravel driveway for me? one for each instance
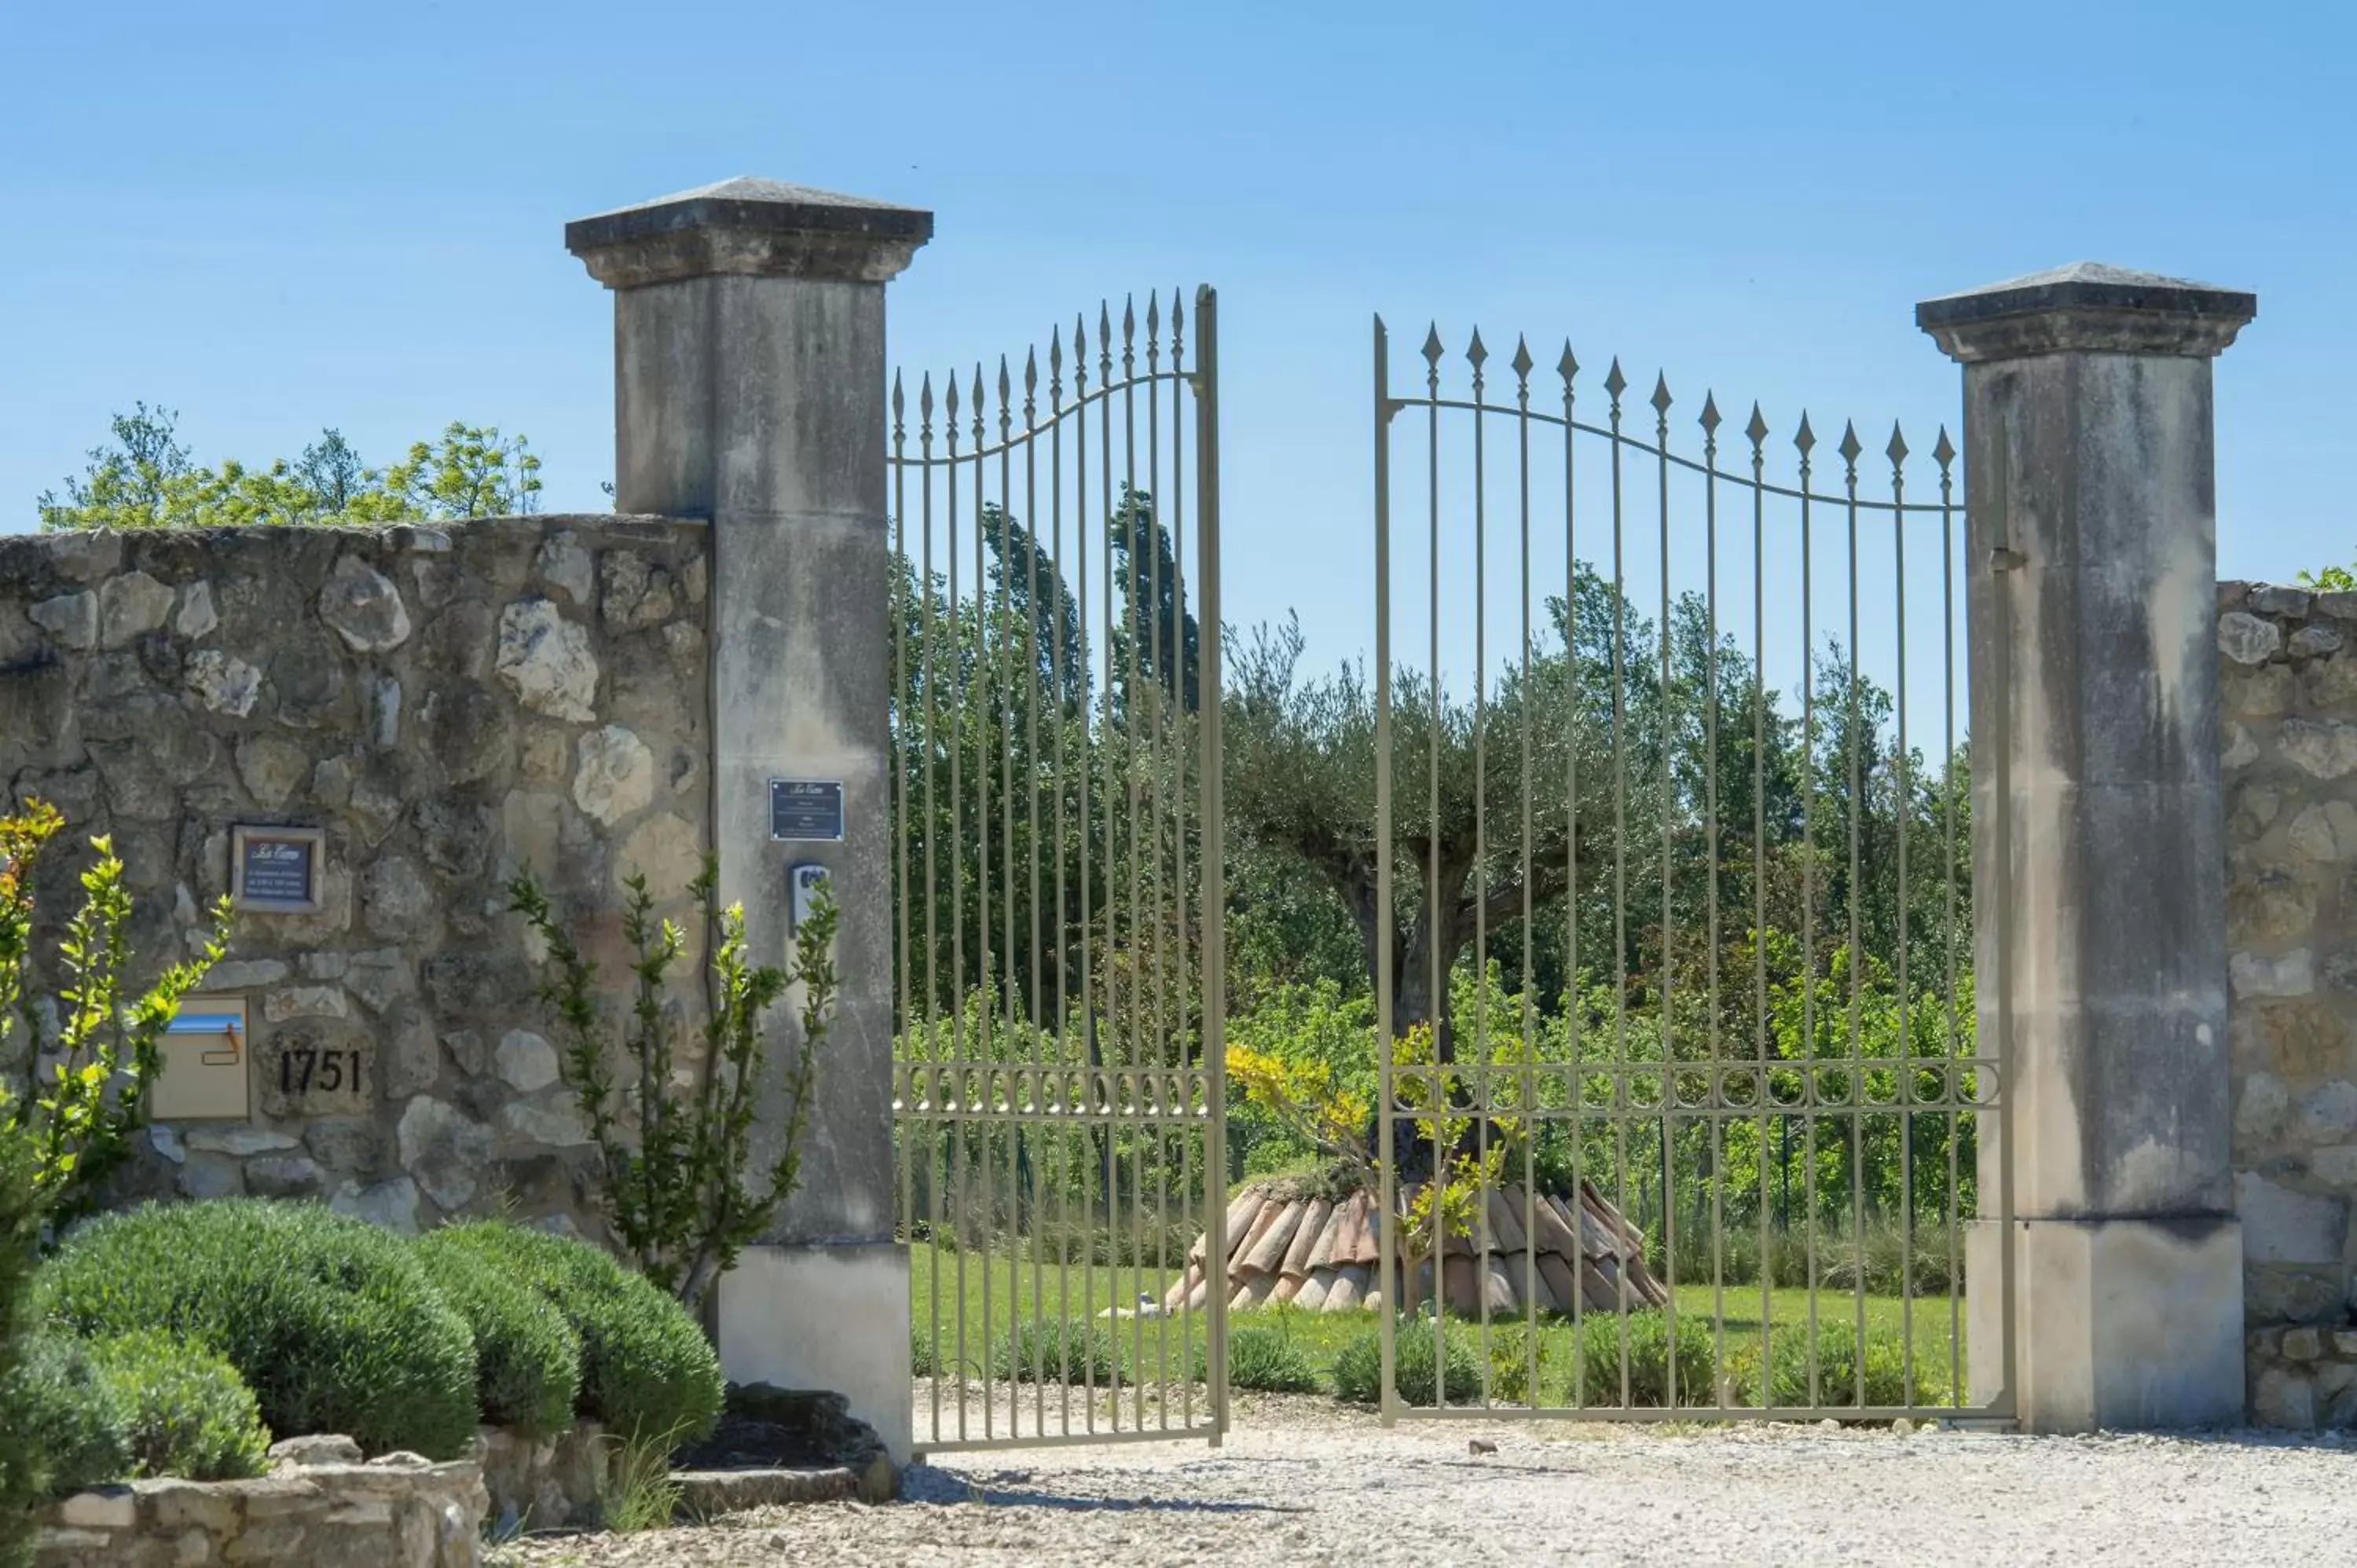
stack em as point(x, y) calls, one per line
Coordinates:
point(1301, 1482)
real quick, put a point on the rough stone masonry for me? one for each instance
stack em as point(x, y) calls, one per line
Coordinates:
point(448, 704)
point(2288, 668)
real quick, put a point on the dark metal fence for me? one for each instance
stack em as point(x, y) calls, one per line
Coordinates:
point(1059, 876)
point(1716, 847)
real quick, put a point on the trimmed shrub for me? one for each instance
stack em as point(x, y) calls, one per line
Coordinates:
point(330, 1320)
point(20, 1455)
point(647, 1371)
point(1646, 1336)
point(1886, 1378)
point(1510, 1345)
point(1359, 1370)
point(69, 1414)
point(184, 1411)
point(1037, 1350)
point(1264, 1360)
point(527, 1356)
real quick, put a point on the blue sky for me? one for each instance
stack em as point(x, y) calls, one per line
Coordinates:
point(274, 217)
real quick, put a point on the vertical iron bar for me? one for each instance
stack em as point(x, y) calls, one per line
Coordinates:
point(1528, 1057)
point(1139, 915)
point(1903, 1082)
point(1714, 1122)
point(1614, 384)
point(1213, 856)
point(1113, 745)
point(1436, 1083)
point(1943, 453)
point(1668, 806)
point(985, 1030)
point(1386, 1130)
point(1806, 440)
point(1182, 1085)
point(1091, 1052)
point(1757, 432)
point(1010, 683)
point(1059, 662)
point(934, 1127)
point(959, 1043)
point(1158, 784)
point(1857, 811)
point(1033, 695)
point(1480, 1237)
point(1568, 367)
point(1105, 1097)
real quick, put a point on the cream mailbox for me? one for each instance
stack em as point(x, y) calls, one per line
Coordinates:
point(205, 1048)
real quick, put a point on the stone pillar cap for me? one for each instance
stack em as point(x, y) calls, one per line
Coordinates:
point(748, 227)
point(2086, 307)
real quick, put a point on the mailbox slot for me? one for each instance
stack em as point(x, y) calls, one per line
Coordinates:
point(206, 1052)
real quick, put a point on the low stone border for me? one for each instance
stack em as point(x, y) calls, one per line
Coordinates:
point(319, 1505)
point(2302, 1379)
point(708, 1494)
point(543, 1484)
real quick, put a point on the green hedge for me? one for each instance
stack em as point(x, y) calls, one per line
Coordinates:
point(98, 1411)
point(1642, 1339)
point(20, 1230)
point(1886, 1373)
point(647, 1371)
point(332, 1321)
point(184, 1411)
point(1513, 1349)
point(527, 1356)
point(1264, 1361)
point(1042, 1350)
point(71, 1415)
point(1359, 1370)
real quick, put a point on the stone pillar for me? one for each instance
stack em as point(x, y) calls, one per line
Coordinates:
point(2098, 845)
point(749, 389)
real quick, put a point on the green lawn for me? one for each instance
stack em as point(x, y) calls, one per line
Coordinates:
point(998, 1290)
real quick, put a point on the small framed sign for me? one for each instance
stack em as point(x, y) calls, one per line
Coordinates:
point(807, 811)
point(277, 871)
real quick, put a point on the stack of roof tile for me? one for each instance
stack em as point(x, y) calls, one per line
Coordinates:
point(1325, 1255)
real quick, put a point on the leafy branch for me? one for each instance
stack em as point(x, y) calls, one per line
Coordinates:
point(84, 1097)
point(677, 1193)
point(1318, 1108)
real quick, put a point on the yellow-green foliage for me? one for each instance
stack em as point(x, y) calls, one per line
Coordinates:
point(79, 1110)
point(145, 478)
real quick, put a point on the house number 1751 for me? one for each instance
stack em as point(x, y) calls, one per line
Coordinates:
point(305, 1069)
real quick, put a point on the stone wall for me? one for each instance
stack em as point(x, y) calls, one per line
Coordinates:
point(543, 1483)
point(2289, 730)
point(448, 704)
point(318, 1504)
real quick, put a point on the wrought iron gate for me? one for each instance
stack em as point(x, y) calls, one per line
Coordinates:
point(1706, 1145)
point(1058, 871)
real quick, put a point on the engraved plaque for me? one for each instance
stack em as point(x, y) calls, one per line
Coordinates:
point(276, 870)
point(806, 809)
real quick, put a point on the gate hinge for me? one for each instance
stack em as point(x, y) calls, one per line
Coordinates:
point(2003, 560)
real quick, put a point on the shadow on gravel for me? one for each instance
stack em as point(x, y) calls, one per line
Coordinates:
point(924, 1484)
